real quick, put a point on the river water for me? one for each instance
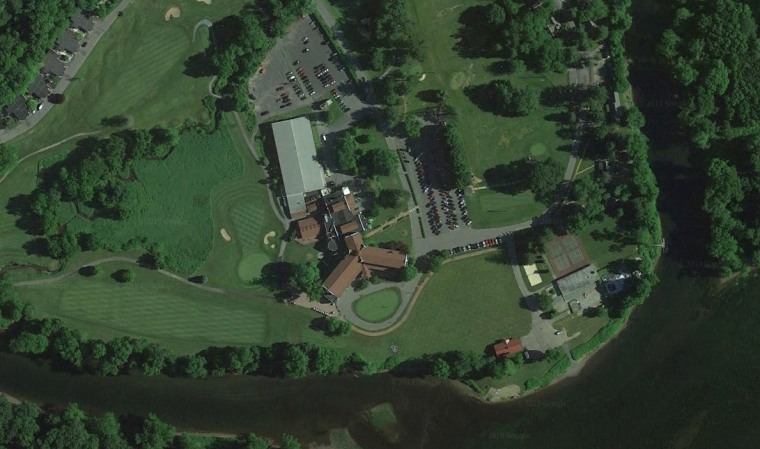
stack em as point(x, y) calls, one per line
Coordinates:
point(650, 387)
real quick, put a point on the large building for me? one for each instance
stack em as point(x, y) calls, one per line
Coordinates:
point(361, 259)
point(301, 172)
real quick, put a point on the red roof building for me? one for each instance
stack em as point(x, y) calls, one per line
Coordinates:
point(509, 346)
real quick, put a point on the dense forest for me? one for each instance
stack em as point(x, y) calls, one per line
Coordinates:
point(713, 53)
point(28, 29)
point(26, 426)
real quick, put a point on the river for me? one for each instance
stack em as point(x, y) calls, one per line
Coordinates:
point(658, 384)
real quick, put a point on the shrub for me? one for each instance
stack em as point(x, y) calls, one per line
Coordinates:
point(124, 275)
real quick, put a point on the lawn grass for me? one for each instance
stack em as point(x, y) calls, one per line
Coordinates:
point(489, 139)
point(183, 318)
point(241, 207)
point(378, 306)
point(136, 70)
point(399, 232)
point(587, 326)
point(489, 208)
point(176, 210)
point(297, 253)
point(600, 248)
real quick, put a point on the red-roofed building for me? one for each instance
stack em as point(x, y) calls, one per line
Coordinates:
point(508, 346)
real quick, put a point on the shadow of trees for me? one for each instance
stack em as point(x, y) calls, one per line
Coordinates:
point(472, 41)
point(508, 178)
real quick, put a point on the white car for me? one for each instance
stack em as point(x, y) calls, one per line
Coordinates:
point(39, 106)
point(324, 137)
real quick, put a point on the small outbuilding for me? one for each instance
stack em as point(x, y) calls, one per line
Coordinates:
point(508, 346)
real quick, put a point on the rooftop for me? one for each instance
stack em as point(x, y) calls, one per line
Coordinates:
point(68, 42)
point(301, 172)
point(53, 65)
point(577, 281)
point(508, 346)
point(39, 88)
point(18, 109)
point(83, 23)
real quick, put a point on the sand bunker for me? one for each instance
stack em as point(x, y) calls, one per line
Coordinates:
point(225, 235)
point(422, 78)
point(268, 236)
point(172, 13)
point(208, 2)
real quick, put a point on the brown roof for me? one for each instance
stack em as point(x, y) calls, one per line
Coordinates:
point(351, 201)
point(385, 258)
point(308, 228)
point(343, 275)
point(354, 242)
point(351, 226)
point(507, 347)
point(335, 207)
point(312, 207)
point(297, 215)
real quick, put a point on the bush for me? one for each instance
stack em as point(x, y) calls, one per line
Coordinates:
point(124, 275)
point(602, 336)
point(8, 159)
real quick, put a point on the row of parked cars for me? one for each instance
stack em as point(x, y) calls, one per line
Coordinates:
point(496, 241)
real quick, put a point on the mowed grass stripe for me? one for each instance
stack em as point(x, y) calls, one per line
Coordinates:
point(248, 222)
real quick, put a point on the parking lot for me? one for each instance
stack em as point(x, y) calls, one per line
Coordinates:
point(301, 70)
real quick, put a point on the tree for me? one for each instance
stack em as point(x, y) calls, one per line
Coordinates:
point(495, 16)
point(413, 127)
point(108, 431)
point(325, 361)
point(305, 277)
point(124, 275)
point(391, 198)
point(337, 327)
point(67, 345)
point(153, 359)
point(436, 262)
point(543, 179)
point(441, 368)
point(409, 271)
point(154, 434)
point(289, 442)
point(69, 432)
point(118, 352)
point(192, 366)
point(545, 302)
point(380, 161)
point(251, 441)
point(295, 362)
point(28, 343)
point(63, 246)
point(8, 159)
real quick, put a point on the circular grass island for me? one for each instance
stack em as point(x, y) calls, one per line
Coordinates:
point(379, 306)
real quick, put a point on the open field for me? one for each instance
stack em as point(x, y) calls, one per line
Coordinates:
point(136, 70)
point(490, 139)
point(587, 326)
point(379, 306)
point(181, 317)
point(399, 232)
point(600, 246)
point(175, 212)
point(489, 208)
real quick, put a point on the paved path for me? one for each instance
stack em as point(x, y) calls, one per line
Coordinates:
point(93, 37)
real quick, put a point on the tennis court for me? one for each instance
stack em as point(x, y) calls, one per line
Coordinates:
point(566, 254)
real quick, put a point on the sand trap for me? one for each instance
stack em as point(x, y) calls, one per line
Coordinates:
point(225, 235)
point(422, 78)
point(208, 2)
point(268, 236)
point(533, 277)
point(172, 13)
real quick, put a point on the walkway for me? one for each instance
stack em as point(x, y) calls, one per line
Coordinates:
point(93, 37)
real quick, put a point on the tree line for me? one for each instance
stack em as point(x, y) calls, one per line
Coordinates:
point(49, 339)
point(718, 83)
point(456, 162)
point(26, 426)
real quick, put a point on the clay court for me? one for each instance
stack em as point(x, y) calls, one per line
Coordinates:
point(566, 254)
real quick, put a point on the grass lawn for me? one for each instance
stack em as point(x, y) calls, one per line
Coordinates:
point(399, 232)
point(181, 317)
point(600, 248)
point(489, 208)
point(490, 139)
point(379, 306)
point(297, 253)
point(176, 212)
point(242, 207)
point(587, 326)
point(136, 70)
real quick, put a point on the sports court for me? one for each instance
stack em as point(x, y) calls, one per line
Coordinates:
point(566, 254)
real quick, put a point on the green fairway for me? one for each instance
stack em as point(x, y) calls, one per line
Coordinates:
point(489, 208)
point(242, 208)
point(379, 306)
point(176, 212)
point(136, 70)
point(489, 139)
point(183, 318)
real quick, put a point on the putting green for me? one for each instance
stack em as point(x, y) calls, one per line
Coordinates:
point(537, 149)
point(379, 306)
point(251, 264)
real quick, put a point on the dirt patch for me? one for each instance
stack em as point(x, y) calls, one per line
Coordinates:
point(225, 235)
point(476, 180)
point(172, 13)
point(208, 2)
point(422, 78)
point(505, 393)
